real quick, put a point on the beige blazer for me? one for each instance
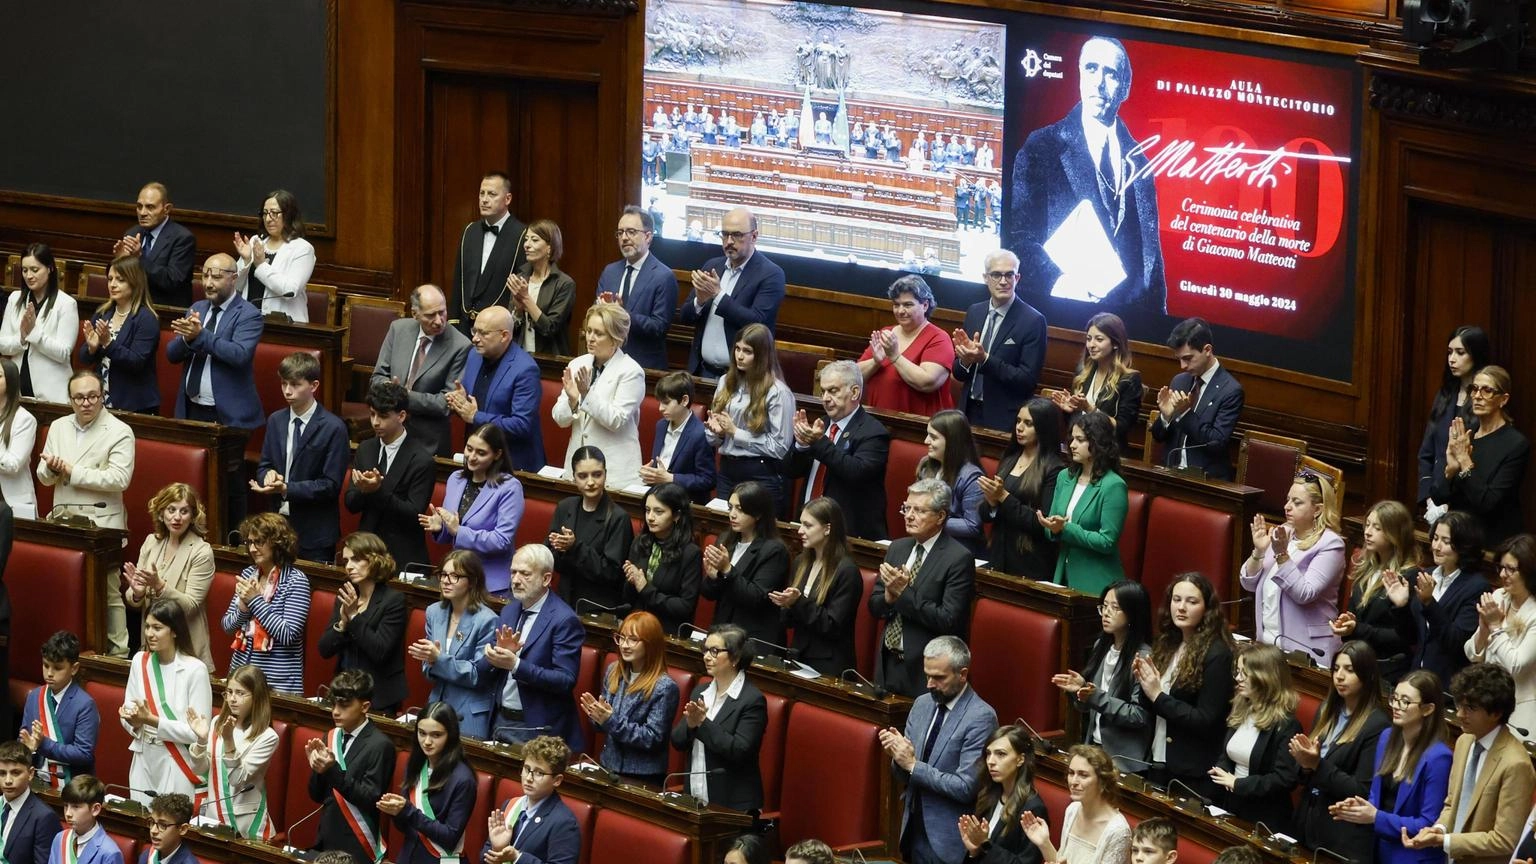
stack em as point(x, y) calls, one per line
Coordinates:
point(1500, 801)
point(187, 577)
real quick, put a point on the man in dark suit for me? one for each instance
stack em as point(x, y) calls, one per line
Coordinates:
point(937, 755)
point(844, 456)
point(1000, 350)
point(504, 379)
point(926, 584)
point(1083, 165)
point(426, 355)
point(538, 650)
point(392, 476)
point(490, 249)
point(680, 452)
point(537, 824)
point(749, 291)
point(350, 769)
point(165, 249)
point(304, 460)
point(31, 823)
point(1197, 412)
point(644, 286)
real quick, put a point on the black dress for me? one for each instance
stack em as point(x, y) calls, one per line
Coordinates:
point(1491, 492)
point(1019, 544)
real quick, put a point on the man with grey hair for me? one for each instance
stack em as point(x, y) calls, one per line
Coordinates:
point(945, 739)
point(741, 288)
point(926, 584)
point(844, 456)
point(537, 654)
point(1000, 350)
point(424, 355)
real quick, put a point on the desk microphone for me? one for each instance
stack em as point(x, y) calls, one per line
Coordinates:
point(686, 630)
point(516, 746)
point(1042, 743)
point(416, 569)
point(1128, 765)
point(61, 514)
point(785, 663)
point(686, 798)
point(1172, 457)
point(587, 765)
point(322, 695)
point(1323, 850)
point(1200, 799)
point(1271, 838)
point(609, 616)
point(1315, 652)
point(410, 714)
point(875, 691)
point(129, 801)
point(234, 538)
point(289, 848)
point(215, 825)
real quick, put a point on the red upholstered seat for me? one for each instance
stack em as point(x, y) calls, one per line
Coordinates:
point(1133, 536)
point(436, 550)
point(168, 375)
point(1056, 800)
point(534, 527)
point(1182, 537)
point(317, 670)
point(158, 464)
point(277, 770)
point(1010, 645)
point(650, 415)
point(555, 438)
point(112, 755)
point(621, 837)
point(832, 768)
point(128, 846)
point(474, 832)
point(900, 471)
point(392, 833)
point(350, 522)
point(586, 681)
point(269, 387)
point(770, 759)
point(417, 687)
point(55, 576)
point(298, 803)
point(685, 681)
point(1306, 710)
point(220, 592)
point(866, 635)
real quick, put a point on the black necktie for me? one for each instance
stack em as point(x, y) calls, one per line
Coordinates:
point(489, 228)
point(629, 280)
point(200, 359)
point(933, 731)
point(1107, 178)
point(383, 460)
point(149, 243)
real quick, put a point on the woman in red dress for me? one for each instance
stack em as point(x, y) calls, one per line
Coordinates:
point(906, 367)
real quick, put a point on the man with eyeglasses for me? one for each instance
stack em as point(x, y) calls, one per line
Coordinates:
point(501, 385)
point(925, 589)
point(88, 459)
point(166, 249)
point(535, 656)
point(729, 293)
point(490, 249)
point(643, 285)
point(844, 456)
point(426, 356)
point(1000, 350)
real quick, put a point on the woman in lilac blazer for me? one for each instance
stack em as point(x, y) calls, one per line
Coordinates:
point(1295, 569)
point(482, 504)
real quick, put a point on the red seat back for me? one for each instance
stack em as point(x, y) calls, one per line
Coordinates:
point(317, 670)
point(277, 770)
point(534, 527)
point(269, 387)
point(685, 681)
point(367, 324)
point(474, 832)
point(220, 591)
point(586, 681)
point(1182, 537)
point(298, 803)
point(834, 772)
point(158, 464)
point(866, 634)
point(395, 838)
point(436, 550)
point(112, 755)
point(1306, 709)
point(1133, 536)
point(770, 758)
point(1012, 688)
point(650, 415)
point(621, 837)
point(350, 522)
point(128, 846)
point(169, 377)
point(417, 687)
point(55, 578)
point(1056, 799)
point(900, 471)
point(555, 438)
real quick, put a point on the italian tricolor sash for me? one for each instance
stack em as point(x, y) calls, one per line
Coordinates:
point(221, 793)
point(58, 772)
point(423, 803)
point(159, 706)
point(260, 640)
point(359, 825)
point(67, 851)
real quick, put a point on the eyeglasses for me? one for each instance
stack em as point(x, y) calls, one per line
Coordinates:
point(712, 651)
point(215, 273)
point(1509, 568)
point(449, 576)
point(271, 214)
point(1484, 390)
point(1001, 275)
point(629, 232)
point(1309, 477)
point(1397, 701)
point(163, 825)
point(622, 639)
point(85, 398)
point(534, 774)
point(735, 236)
point(913, 508)
point(1106, 609)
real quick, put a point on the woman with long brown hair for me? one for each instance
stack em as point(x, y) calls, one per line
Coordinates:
point(18, 434)
point(1005, 792)
point(122, 340)
point(1105, 380)
point(1256, 769)
point(822, 600)
point(636, 701)
point(1024, 486)
point(953, 458)
point(751, 416)
point(1385, 568)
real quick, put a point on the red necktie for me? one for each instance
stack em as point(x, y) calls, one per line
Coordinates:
point(819, 484)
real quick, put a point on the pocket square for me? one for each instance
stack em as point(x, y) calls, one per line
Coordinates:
point(1008, 341)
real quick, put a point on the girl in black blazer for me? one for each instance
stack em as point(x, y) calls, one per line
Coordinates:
point(663, 571)
point(122, 340)
point(1335, 762)
point(433, 808)
point(590, 535)
point(1024, 485)
point(368, 622)
point(1385, 568)
point(1005, 789)
point(748, 563)
point(1256, 771)
point(1105, 380)
point(822, 603)
point(723, 723)
point(1187, 683)
point(1106, 690)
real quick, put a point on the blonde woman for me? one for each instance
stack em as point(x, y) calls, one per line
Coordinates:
point(1384, 572)
point(751, 416)
point(1295, 569)
point(1505, 635)
point(603, 391)
point(175, 562)
point(1256, 770)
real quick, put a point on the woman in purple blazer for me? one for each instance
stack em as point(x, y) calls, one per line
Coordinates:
point(481, 507)
point(1295, 569)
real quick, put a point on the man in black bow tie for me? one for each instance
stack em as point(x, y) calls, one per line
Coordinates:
point(490, 249)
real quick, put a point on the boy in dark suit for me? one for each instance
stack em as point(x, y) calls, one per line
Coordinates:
point(537, 826)
point(304, 460)
point(29, 824)
point(392, 476)
point(170, 818)
point(1197, 412)
point(59, 721)
point(680, 454)
point(83, 842)
point(350, 769)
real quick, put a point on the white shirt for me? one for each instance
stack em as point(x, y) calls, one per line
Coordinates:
point(927, 547)
point(489, 243)
point(1240, 747)
point(714, 349)
point(293, 440)
point(669, 442)
point(390, 452)
point(1443, 581)
point(1160, 729)
point(15, 808)
point(1096, 134)
point(841, 427)
point(510, 698)
point(1077, 493)
point(698, 784)
point(1205, 382)
point(1106, 674)
point(351, 737)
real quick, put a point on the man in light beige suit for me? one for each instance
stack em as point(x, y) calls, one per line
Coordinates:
point(1491, 775)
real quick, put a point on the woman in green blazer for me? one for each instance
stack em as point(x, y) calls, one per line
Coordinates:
point(1088, 511)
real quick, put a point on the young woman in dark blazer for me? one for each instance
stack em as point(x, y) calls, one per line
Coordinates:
point(1385, 568)
point(1187, 683)
point(1024, 485)
point(435, 802)
point(122, 340)
point(1256, 771)
point(748, 563)
point(1466, 351)
point(1005, 790)
point(1336, 761)
point(590, 535)
point(368, 623)
point(664, 568)
point(723, 723)
point(1105, 380)
point(822, 602)
point(1106, 690)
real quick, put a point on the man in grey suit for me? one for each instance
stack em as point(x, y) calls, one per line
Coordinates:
point(426, 356)
point(938, 754)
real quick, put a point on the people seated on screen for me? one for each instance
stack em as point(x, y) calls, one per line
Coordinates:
point(1295, 569)
point(235, 749)
point(368, 620)
point(18, 434)
point(1088, 511)
point(537, 823)
point(304, 460)
point(1106, 690)
point(665, 568)
point(723, 724)
point(1504, 634)
point(1443, 603)
point(590, 535)
point(1383, 573)
point(176, 561)
point(1256, 773)
point(270, 608)
point(1105, 380)
point(1093, 831)
point(1485, 461)
point(458, 628)
point(40, 326)
point(536, 655)
point(681, 452)
point(752, 416)
point(1024, 486)
point(821, 602)
point(170, 818)
point(601, 395)
point(1197, 412)
point(740, 288)
point(432, 809)
point(1005, 790)
point(1466, 351)
point(907, 366)
point(83, 838)
point(59, 720)
point(350, 767)
point(482, 504)
point(122, 340)
point(843, 456)
point(953, 458)
point(168, 690)
point(635, 701)
point(274, 267)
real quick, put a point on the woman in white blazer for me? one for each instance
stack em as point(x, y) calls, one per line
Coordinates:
point(168, 691)
point(18, 432)
point(235, 750)
point(278, 263)
point(1506, 629)
point(603, 392)
point(41, 323)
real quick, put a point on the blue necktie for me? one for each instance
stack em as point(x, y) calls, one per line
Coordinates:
point(200, 359)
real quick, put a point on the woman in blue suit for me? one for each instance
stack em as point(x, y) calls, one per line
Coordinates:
point(636, 702)
point(482, 504)
point(122, 339)
point(1088, 510)
point(1413, 770)
point(457, 629)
